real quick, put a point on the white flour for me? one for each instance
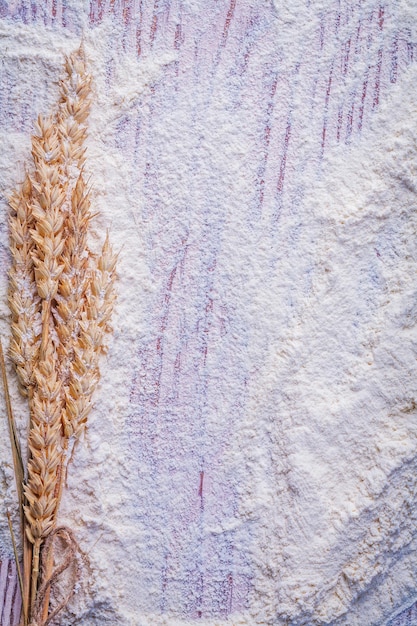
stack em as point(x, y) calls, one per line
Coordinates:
point(300, 418)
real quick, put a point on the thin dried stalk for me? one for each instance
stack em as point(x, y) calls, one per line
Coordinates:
point(16, 558)
point(19, 476)
point(69, 560)
point(14, 439)
point(64, 294)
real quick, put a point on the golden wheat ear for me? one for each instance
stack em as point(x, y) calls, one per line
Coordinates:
point(61, 297)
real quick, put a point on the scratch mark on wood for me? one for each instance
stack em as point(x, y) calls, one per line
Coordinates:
point(229, 17)
point(200, 490)
point(280, 184)
point(266, 141)
point(363, 98)
point(326, 109)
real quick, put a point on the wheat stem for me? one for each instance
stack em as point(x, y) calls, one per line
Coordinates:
point(17, 454)
point(35, 572)
point(27, 566)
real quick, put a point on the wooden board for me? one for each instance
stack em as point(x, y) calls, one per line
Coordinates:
point(341, 73)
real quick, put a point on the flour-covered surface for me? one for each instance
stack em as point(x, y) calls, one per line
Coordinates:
point(251, 458)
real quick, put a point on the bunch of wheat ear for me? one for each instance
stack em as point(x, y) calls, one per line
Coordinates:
point(61, 298)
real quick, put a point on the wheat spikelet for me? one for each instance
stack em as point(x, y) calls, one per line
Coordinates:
point(44, 444)
point(24, 302)
point(94, 323)
point(47, 211)
point(61, 298)
point(45, 458)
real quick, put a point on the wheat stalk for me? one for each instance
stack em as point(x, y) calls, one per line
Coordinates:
point(61, 297)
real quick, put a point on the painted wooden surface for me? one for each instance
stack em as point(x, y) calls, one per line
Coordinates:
point(9, 593)
point(340, 75)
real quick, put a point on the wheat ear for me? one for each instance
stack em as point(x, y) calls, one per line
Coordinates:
point(36, 243)
point(74, 106)
point(25, 306)
point(47, 235)
point(68, 294)
point(73, 109)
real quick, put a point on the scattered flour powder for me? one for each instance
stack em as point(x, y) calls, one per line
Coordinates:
point(251, 457)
